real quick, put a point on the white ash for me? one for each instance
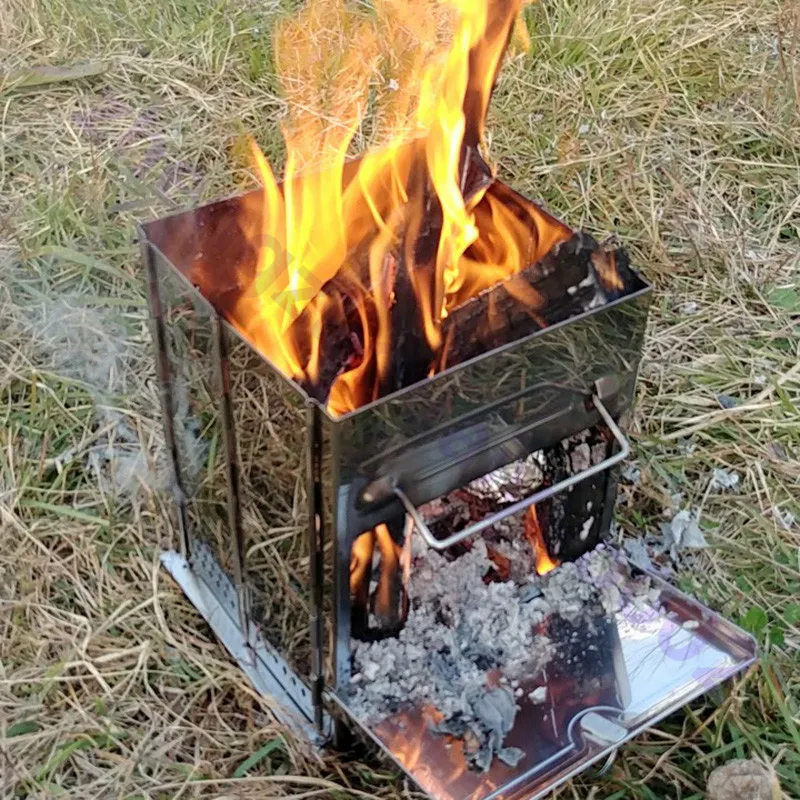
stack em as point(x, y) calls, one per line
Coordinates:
point(458, 628)
point(724, 479)
point(786, 519)
point(483, 729)
point(463, 636)
point(581, 458)
point(632, 474)
point(538, 695)
point(683, 532)
point(638, 553)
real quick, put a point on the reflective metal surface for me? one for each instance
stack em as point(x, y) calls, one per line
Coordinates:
point(267, 535)
point(429, 438)
point(213, 594)
point(611, 678)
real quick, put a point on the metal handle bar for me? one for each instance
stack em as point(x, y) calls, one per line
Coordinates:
point(521, 505)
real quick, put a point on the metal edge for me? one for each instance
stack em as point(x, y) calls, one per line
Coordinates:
point(253, 659)
point(632, 734)
point(164, 377)
point(645, 289)
point(521, 342)
point(316, 548)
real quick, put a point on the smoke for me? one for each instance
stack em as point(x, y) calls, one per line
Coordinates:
point(96, 346)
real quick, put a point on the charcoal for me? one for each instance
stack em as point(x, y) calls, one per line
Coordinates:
point(566, 281)
point(456, 725)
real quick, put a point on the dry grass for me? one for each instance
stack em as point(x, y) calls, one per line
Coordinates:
point(674, 123)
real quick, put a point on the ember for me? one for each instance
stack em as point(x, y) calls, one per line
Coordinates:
point(544, 563)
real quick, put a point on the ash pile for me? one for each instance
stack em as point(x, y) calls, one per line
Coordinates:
point(475, 631)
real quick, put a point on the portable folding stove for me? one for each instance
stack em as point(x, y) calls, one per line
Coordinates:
point(266, 536)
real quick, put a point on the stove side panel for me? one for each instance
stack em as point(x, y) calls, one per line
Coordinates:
point(526, 396)
point(241, 440)
point(186, 339)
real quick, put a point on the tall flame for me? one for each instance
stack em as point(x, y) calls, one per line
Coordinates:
point(430, 67)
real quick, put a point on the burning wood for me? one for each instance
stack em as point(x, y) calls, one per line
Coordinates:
point(371, 276)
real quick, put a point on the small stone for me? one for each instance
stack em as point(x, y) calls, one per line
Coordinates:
point(745, 779)
point(728, 401)
point(689, 308)
point(760, 380)
point(393, 84)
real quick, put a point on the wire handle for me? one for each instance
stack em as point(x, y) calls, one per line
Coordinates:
point(527, 502)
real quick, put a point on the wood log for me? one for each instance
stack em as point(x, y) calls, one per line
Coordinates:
point(562, 285)
point(342, 332)
point(571, 521)
point(340, 335)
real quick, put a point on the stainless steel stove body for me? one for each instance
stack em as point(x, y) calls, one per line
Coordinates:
point(270, 491)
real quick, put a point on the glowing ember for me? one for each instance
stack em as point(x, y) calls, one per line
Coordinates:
point(533, 530)
point(410, 233)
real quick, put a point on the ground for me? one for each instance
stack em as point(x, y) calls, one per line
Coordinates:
point(672, 123)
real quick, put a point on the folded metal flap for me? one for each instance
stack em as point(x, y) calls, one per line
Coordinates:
point(611, 677)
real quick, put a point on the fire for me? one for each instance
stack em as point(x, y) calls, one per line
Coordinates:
point(533, 530)
point(390, 601)
point(399, 239)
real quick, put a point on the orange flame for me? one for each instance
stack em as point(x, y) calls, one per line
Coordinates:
point(533, 530)
point(430, 66)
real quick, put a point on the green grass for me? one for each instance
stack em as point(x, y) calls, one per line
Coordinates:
point(674, 123)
